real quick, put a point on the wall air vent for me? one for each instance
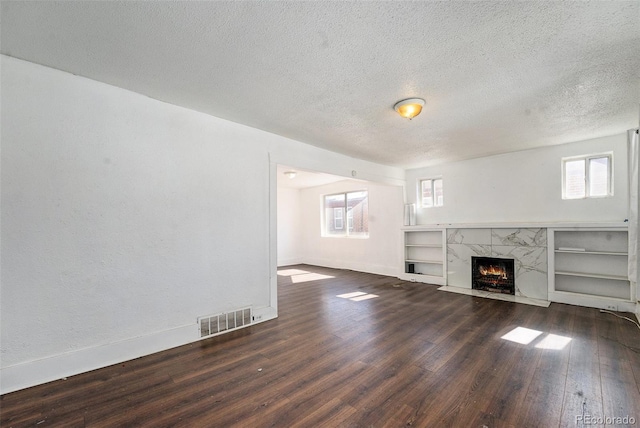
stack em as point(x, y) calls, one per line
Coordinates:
point(212, 325)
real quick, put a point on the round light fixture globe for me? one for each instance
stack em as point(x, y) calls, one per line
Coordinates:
point(409, 108)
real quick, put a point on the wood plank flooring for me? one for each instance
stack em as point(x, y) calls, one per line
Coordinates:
point(410, 356)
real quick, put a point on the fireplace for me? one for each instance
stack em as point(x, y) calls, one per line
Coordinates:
point(493, 274)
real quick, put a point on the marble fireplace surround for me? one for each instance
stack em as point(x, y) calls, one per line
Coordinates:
point(527, 246)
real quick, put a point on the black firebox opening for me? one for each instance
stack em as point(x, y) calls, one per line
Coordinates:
point(493, 274)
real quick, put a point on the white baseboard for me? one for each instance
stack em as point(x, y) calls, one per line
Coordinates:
point(36, 372)
point(290, 262)
point(57, 367)
point(357, 266)
point(264, 314)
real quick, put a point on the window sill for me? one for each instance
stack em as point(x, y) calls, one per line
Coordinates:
point(344, 237)
point(587, 198)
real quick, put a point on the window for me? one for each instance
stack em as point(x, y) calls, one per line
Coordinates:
point(352, 205)
point(338, 221)
point(431, 194)
point(587, 177)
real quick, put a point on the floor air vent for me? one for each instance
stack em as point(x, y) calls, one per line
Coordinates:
point(215, 324)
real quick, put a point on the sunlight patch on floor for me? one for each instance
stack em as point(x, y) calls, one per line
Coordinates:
point(554, 341)
point(306, 277)
point(526, 336)
point(291, 272)
point(298, 275)
point(522, 335)
point(357, 296)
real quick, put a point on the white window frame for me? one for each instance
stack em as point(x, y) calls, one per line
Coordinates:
point(338, 218)
point(586, 159)
point(434, 202)
point(349, 216)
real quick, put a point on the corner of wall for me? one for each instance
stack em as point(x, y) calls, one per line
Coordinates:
point(261, 315)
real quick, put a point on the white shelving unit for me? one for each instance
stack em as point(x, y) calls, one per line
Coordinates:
point(589, 267)
point(424, 253)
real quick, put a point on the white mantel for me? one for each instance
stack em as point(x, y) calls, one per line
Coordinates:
point(517, 225)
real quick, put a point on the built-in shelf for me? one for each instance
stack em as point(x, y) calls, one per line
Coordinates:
point(424, 255)
point(569, 294)
point(438, 262)
point(589, 266)
point(593, 275)
point(608, 253)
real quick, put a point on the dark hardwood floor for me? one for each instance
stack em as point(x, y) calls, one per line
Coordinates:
point(411, 356)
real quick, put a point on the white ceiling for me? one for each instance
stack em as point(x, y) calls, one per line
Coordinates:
point(304, 179)
point(497, 76)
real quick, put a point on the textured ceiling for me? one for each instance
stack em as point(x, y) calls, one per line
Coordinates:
point(304, 179)
point(497, 76)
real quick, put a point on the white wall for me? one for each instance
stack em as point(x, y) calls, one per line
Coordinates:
point(522, 186)
point(124, 219)
point(377, 254)
point(289, 228)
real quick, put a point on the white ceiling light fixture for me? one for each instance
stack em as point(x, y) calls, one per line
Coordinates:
point(290, 174)
point(409, 108)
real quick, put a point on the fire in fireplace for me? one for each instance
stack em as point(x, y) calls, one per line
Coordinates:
point(493, 274)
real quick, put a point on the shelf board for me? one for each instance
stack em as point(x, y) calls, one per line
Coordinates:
point(591, 296)
point(573, 298)
point(593, 275)
point(424, 245)
point(422, 275)
point(435, 262)
point(606, 253)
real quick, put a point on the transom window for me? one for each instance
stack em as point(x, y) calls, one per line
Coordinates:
point(431, 194)
point(587, 177)
point(354, 206)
